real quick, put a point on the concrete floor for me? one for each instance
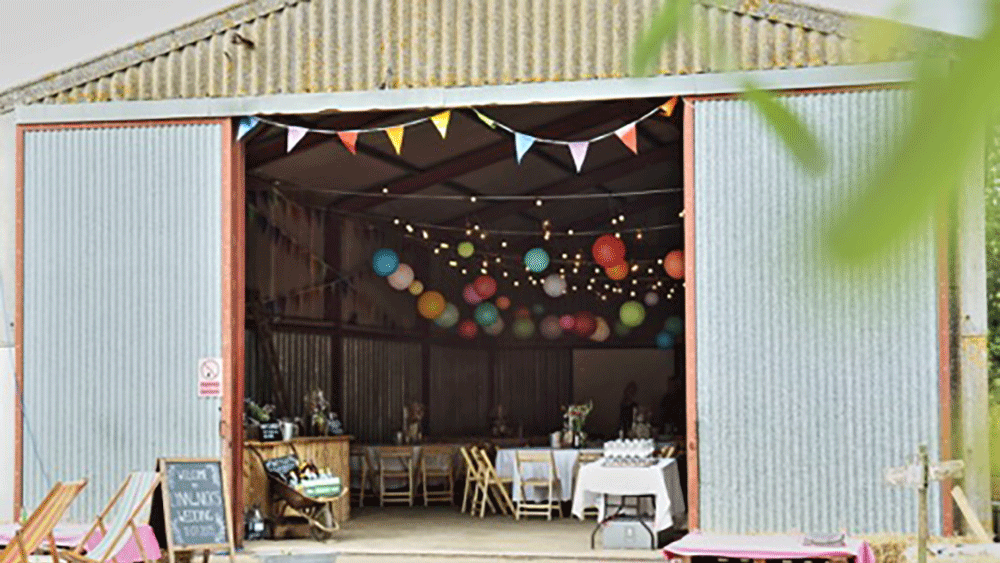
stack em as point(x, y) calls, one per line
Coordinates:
point(397, 534)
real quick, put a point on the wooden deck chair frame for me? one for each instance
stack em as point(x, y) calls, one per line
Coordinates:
point(40, 526)
point(493, 482)
point(406, 457)
point(119, 541)
point(446, 473)
point(552, 502)
point(581, 459)
point(473, 478)
point(367, 473)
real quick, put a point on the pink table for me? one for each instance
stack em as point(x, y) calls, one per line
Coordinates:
point(69, 536)
point(764, 547)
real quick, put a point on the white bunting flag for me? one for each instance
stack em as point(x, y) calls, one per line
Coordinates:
point(295, 135)
point(579, 152)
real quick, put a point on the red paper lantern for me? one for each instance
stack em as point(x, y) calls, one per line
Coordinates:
point(470, 295)
point(567, 322)
point(485, 286)
point(468, 329)
point(503, 303)
point(673, 263)
point(618, 271)
point(608, 250)
point(522, 313)
point(585, 324)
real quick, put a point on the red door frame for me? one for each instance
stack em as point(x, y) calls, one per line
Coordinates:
point(232, 275)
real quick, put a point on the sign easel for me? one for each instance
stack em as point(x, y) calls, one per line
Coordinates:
point(196, 508)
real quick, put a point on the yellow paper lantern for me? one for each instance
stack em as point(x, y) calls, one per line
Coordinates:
point(416, 288)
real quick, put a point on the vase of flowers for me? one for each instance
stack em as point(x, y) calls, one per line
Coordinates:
point(574, 417)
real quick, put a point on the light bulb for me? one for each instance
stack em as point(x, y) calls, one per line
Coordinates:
point(498, 259)
point(385, 190)
point(538, 202)
point(483, 271)
point(426, 235)
point(635, 268)
point(621, 218)
point(453, 263)
point(614, 221)
point(468, 232)
point(505, 274)
point(635, 282)
point(590, 288)
point(503, 244)
point(472, 199)
point(475, 227)
point(638, 235)
point(483, 235)
point(516, 283)
point(569, 232)
point(681, 214)
point(437, 251)
point(565, 256)
point(409, 228)
point(464, 271)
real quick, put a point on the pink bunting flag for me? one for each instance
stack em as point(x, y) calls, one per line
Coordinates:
point(295, 135)
point(579, 152)
point(350, 140)
point(627, 136)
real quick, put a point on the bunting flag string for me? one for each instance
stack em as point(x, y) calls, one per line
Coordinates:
point(522, 141)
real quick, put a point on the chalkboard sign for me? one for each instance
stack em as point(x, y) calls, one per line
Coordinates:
point(195, 505)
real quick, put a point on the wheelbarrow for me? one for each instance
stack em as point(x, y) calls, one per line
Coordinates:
point(317, 511)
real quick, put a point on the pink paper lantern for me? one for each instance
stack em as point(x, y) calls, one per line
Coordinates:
point(567, 322)
point(471, 296)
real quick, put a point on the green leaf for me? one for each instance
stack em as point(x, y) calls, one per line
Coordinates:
point(793, 133)
point(672, 17)
point(931, 159)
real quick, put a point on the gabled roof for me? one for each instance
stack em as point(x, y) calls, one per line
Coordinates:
point(262, 47)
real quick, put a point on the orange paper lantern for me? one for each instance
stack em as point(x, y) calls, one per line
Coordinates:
point(430, 305)
point(617, 271)
point(673, 263)
point(503, 303)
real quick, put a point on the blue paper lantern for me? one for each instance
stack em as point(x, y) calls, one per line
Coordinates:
point(486, 314)
point(536, 260)
point(664, 340)
point(538, 309)
point(385, 262)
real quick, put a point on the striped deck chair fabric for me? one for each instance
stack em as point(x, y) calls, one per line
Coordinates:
point(123, 515)
point(41, 523)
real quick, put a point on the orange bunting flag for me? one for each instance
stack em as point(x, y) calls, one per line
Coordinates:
point(441, 122)
point(627, 136)
point(350, 140)
point(668, 108)
point(396, 137)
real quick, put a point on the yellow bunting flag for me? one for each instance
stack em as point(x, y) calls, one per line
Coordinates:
point(350, 140)
point(441, 122)
point(396, 137)
point(492, 124)
point(668, 108)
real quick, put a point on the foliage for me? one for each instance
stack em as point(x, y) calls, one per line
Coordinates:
point(992, 199)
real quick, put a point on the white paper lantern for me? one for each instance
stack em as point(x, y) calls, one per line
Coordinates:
point(494, 329)
point(401, 278)
point(603, 331)
point(554, 285)
point(651, 299)
point(549, 327)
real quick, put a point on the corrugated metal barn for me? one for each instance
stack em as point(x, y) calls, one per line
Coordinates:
point(135, 223)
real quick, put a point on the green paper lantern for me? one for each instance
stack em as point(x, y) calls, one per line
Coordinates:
point(449, 317)
point(632, 314)
point(523, 329)
point(674, 325)
point(621, 330)
point(465, 249)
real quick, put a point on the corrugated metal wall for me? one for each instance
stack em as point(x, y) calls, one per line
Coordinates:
point(810, 382)
point(122, 297)
point(349, 45)
point(532, 385)
point(460, 386)
point(379, 376)
point(306, 362)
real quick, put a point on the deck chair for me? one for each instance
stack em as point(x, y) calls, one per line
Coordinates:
point(41, 523)
point(493, 482)
point(118, 520)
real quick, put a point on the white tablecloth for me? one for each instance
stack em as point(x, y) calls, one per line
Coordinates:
point(565, 459)
point(661, 481)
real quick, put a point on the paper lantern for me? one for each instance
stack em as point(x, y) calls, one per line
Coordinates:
point(673, 263)
point(401, 278)
point(536, 260)
point(664, 340)
point(522, 313)
point(538, 309)
point(449, 317)
point(416, 288)
point(494, 329)
point(467, 329)
point(651, 299)
point(549, 327)
point(485, 286)
point(602, 332)
point(622, 330)
point(554, 285)
point(470, 295)
point(486, 314)
point(567, 322)
point(465, 249)
point(632, 313)
point(608, 250)
point(430, 305)
point(617, 271)
point(523, 329)
point(503, 303)
point(385, 262)
point(585, 324)
point(674, 325)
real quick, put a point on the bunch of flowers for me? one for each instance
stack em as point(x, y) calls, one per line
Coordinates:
point(576, 415)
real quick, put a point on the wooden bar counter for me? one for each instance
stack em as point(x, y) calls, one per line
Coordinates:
point(331, 452)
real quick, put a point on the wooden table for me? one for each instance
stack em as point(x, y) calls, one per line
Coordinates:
point(331, 452)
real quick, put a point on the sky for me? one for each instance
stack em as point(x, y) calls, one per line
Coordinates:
point(42, 36)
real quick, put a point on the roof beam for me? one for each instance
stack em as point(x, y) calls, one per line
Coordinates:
point(496, 152)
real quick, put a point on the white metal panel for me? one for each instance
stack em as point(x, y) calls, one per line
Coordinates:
point(7, 381)
point(811, 379)
point(122, 297)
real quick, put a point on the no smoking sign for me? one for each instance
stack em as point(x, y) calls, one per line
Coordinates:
point(210, 377)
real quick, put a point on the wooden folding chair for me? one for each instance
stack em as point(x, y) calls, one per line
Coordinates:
point(550, 482)
point(583, 458)
point(41, 523)
point(436, 463)
point(493, 482)
point(360, 453)
point(473, 478)
point(395, 463)
point(119, 518)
